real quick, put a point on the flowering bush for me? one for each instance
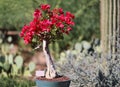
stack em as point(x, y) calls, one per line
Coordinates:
point(47, 24)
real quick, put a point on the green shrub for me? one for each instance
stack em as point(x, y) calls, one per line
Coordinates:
point(15, 82)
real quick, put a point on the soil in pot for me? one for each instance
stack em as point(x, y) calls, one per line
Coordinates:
point(61, 81)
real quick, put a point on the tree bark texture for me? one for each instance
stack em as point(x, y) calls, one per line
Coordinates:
point(50, 72)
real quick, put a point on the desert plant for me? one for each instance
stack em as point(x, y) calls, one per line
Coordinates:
point(13, 66)
point(8, 65)
point(47, 26)
point(90, 70)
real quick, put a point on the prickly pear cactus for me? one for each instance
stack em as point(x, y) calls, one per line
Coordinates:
point(1, 64)
point(27, 72)
point(4, 74)
point(19, 62)
point(4, 48)
point(14, 69)
point(10, 59)
point(6, 66)
point(31, 66)
point(2, 59)
point(54, 48)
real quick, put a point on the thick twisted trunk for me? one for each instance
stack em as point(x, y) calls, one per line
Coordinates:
point(50, 73)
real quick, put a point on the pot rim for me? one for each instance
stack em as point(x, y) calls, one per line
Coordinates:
point(53, 81)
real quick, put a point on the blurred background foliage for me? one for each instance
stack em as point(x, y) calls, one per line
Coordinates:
point(15, 13)
point(15, 82)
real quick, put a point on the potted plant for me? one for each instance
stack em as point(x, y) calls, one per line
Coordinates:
point(47, 26)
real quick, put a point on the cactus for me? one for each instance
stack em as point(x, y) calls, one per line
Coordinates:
point(4, 73)
point(31, 66)
point(27, 72)
point(9, 39)
point(14, 70)
point(19, 62)
point(4, 48)
point(57, 50)
point(1, 40)
point(2, 59)
point(78, 47)
point(54, 48)
point(6, 66)
point(1, 64)
point(10, 59)
point(86, 45)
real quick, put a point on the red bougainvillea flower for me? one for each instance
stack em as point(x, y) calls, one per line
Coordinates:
point(45, 6)
point(69, 28)
point(37, 13)
point(60, 10)
point(60, 25)
point(28, 37)
point(55, 11)
point(47, 24)
point(68, 14)
point(24, 30)
point(62, 17)
point(69, 21)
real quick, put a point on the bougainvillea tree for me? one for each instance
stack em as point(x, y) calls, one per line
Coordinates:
point(47, 26)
